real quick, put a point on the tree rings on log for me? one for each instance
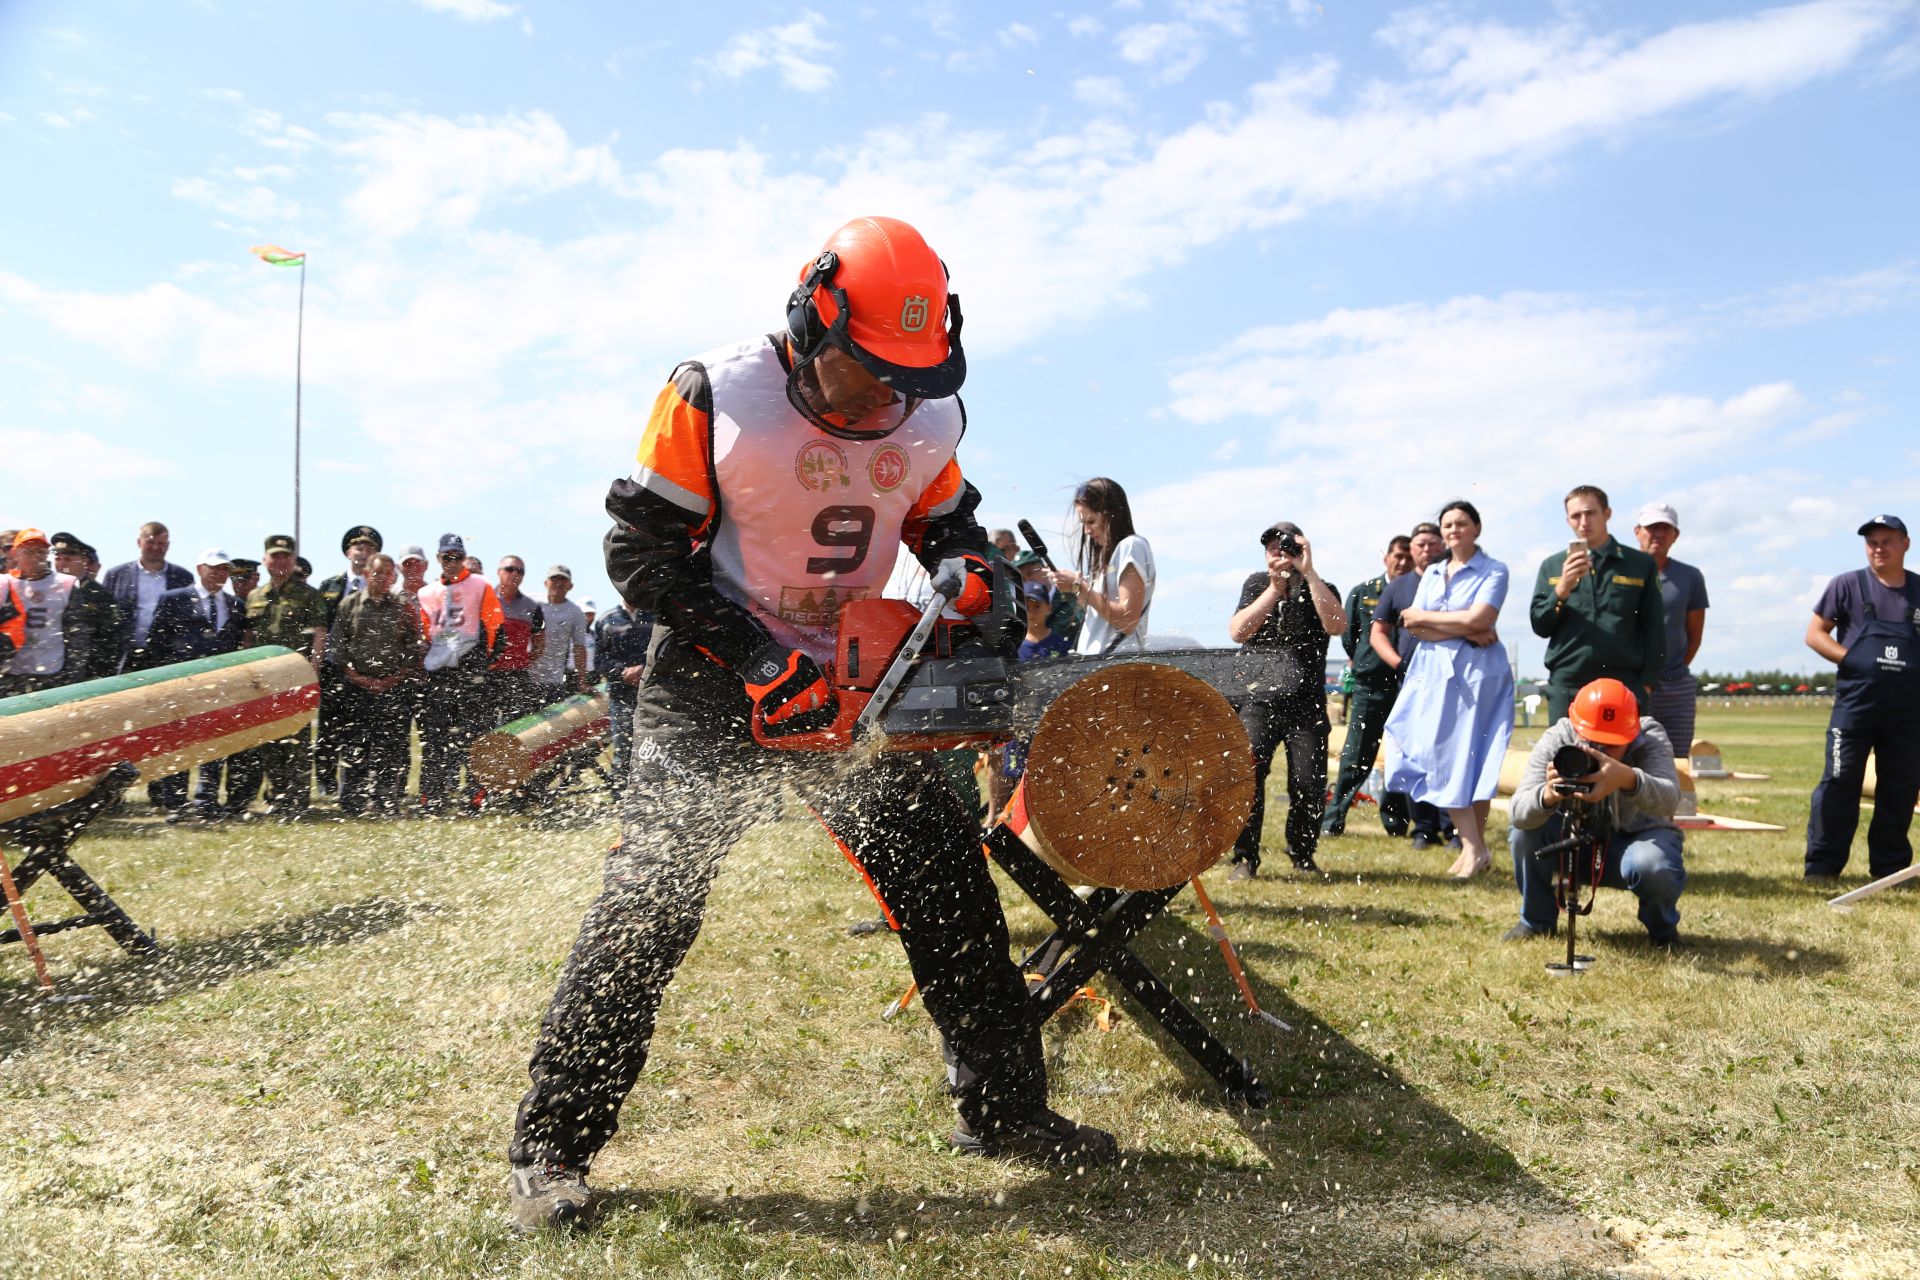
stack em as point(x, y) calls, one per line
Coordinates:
point(1140, 776)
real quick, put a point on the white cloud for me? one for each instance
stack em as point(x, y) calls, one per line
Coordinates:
point(57, 120)
point(1228, 15)
point(71, 465)
point(1488, 398)
point(421, 170)
point(793, 49)
point(1878, 289)
point(1103, 93)
point(1085, 26)
point(1169, 50)
point(254, 205)
point(471, 10)
point(1018, 33)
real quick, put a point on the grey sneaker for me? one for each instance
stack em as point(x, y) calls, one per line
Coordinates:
point(543, 1196)
point(1526, 933)
point(1243, 871)
point(1046, 1138)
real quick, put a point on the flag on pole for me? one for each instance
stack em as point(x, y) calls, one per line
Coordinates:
point(274, 255)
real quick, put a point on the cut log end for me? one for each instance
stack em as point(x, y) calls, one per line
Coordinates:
point(1140, 776)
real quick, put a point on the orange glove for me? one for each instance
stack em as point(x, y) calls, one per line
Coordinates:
point(967, 583)
point(790, 693)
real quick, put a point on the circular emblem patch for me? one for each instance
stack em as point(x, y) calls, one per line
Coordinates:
point(820, 465)
point(888, 469)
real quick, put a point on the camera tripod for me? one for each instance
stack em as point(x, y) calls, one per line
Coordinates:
point(1583, 836)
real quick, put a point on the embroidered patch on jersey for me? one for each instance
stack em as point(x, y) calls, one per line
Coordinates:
point(1629, 582)
point(888, 468)
point(817, 607)
point(913, 314)
point(820, 465)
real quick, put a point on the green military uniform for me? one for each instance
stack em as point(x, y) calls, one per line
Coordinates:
point(333, 726)
point(1375, 686)
point(1613, 624)
point(286, 615)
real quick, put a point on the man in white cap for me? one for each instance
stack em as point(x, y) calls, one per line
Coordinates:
point(566, 643)
point(195, 622)
point(1683, 593)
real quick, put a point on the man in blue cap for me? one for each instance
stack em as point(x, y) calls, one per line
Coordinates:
point(1868, 621)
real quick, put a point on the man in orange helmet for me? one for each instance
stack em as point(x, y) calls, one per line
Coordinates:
point(776, 480)
point(1635, 780)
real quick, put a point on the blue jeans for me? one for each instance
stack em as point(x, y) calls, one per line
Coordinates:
point(1647, 862)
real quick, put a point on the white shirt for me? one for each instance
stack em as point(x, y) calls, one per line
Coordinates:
point(220, 605)
point(45, 650)
point(566, 626)
point(152, 584)
point(1096, 633)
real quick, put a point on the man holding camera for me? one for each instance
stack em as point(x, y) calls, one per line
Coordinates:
point(1607, 762)
point(1598, 607)
point(1288, 608)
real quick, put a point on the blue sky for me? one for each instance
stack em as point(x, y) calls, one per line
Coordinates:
point(1329, 262)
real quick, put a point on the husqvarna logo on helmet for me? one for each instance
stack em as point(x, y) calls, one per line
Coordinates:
point(913, 314)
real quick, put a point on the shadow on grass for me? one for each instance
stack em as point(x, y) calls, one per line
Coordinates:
point(1342, 1124)
point(1733, 957)
point(125, 983)
point(1331, 913)
point(1788, 886)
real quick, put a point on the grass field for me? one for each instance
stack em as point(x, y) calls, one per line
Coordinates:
point(319, 1077)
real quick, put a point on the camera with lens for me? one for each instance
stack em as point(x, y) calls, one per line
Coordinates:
point(1570, 762)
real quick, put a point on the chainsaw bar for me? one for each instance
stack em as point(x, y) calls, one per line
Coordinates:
point(987, 697)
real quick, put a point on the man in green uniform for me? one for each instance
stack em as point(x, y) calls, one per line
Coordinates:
point(1598, 607)
point(1375, 685)
point(286, 611)
point(334, 730)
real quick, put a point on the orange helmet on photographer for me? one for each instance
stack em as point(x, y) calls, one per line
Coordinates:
point(879, 293)
point(1606, 711)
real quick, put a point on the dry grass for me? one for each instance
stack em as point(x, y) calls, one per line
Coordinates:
point(318, 1079)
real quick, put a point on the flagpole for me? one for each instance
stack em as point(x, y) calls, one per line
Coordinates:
point(299, 348)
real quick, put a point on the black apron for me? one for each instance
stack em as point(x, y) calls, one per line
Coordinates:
point(1879, 680)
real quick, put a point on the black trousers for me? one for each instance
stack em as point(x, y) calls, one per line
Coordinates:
point(242, 773)
point(1835, 814)
point(1367, 713)
point(373, 750)
point(333, 728)
point(698, 784)
point(1301, 725)
point(456, 708)
point(288, 766)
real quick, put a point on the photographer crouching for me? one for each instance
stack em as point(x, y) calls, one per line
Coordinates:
point(1625, 789)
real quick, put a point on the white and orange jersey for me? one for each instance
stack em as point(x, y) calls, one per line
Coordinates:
point(798, 522)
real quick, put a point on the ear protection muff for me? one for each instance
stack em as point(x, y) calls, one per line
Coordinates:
point(804, 325)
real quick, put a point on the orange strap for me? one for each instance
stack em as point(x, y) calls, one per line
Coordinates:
point(24, 925)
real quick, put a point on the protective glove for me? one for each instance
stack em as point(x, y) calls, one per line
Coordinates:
point(790, 693)
point(967, 582)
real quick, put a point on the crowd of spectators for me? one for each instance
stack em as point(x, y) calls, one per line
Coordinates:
point(412, 645)
point(399, 645)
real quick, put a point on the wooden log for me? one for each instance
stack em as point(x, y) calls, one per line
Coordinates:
point(1140, 776)
point(54, 745)
point(525, 748)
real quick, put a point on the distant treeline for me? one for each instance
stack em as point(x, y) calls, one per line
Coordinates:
point(1765, 682)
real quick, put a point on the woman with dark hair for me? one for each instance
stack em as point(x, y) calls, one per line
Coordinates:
point(1453, 721)
point(1115, 576)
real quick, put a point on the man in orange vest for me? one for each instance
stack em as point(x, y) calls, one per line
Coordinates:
point(460, 616)
point(838, 447)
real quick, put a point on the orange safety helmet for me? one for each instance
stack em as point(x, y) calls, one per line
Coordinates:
point(880, 294)
point(1606, 711)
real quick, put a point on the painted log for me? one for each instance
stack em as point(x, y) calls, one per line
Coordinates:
point(525, 748)
point(1139, 776)
point(55, 744)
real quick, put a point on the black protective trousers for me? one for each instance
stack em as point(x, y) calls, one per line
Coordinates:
point(1301, 725)
point(698, 783)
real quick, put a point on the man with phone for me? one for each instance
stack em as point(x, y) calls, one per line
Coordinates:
point(1598, 607)
point(1634, 779)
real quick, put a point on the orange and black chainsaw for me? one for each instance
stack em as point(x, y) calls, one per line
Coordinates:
point(924, 682)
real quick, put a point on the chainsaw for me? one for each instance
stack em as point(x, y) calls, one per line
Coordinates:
point(912, 680)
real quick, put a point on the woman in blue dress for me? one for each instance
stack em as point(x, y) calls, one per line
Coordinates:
point(1454, 717)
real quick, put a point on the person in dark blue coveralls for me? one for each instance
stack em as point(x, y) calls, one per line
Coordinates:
point(1868, 621)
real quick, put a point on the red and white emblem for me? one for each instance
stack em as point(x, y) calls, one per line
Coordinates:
point(820, 465)
point(888, 469)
